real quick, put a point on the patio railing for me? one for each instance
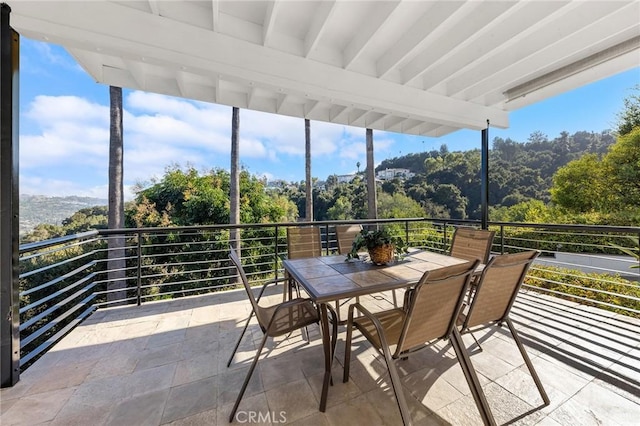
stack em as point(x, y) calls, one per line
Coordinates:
point(64, 280)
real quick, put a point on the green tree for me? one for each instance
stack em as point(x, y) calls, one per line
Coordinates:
point(579, 186)
point(622, 164)
point(398, 205)
point(629, 117)
point(341, 209)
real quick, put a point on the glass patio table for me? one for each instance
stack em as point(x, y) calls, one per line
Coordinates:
point(330, 278)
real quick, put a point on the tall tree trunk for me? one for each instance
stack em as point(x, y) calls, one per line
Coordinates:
point(234, 196)
point(116, 256)
point(372, 201)
point(307, 169)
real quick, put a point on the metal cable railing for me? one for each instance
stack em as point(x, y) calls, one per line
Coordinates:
point(64, 280)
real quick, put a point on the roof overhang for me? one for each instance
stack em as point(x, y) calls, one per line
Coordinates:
point(415, 67)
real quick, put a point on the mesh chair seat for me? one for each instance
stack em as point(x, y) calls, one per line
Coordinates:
point(392, 322)
point(286, 317)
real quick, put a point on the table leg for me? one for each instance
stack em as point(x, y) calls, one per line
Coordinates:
point(326, 343)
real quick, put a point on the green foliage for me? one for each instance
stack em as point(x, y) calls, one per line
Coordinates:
point(376, 238)
point(81, 221)
point(187, 197)
point(622, 165)
point(581, 185)
point(341, 209)
point(629, 117)
point(635, 252)
point(397, 206)
point(532, 211)
point(603, 186)
point(602, 288)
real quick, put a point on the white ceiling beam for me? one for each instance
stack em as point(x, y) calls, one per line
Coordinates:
point(268, 24)
point(319, 24)
point(419, 35)
point(573, 68)
point(410, 124)
point(468, 54)
point(355, 115)
point(250, 97)
point(614, 66)
point(215, 15)
point(163, 40)
point(374, 118)
point(585, 41)
point(495, 17)
point(337, 112)
point(310, 106)
point(366, 33)
point(541, 36)
point(138, 72)
point(394, 123)
point(281, 99)
point(155, 7)
point(181, 81)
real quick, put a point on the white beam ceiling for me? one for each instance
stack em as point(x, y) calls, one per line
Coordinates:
point(417, 67)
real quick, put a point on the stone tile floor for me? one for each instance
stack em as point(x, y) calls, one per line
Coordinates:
point(165, 363)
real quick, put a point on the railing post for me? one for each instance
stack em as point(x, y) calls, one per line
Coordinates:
point(406, 233)
point(9, 214)
point(139, 271)
point(484, 179)
point(275, 259)
point(501, 239)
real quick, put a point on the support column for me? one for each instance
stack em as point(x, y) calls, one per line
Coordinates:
point(9, 231)
point(234, 184)
point(484, 176)
point(307, 171)
point(372, 201)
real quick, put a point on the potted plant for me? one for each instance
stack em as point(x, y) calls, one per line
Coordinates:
point(382, 246)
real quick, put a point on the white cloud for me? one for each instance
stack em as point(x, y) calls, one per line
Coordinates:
point(56, 187)
point(70, 132)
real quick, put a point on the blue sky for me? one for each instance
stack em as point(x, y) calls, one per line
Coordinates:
point(64, 130)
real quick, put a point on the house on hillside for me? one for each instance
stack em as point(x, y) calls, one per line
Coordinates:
point(388, 174)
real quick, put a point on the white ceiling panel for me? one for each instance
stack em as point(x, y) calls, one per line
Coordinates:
point(417, 67)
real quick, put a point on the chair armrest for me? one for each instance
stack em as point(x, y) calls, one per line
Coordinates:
point(264, 287)
point(376, 323)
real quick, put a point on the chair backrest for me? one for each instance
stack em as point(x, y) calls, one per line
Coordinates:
point(345, 234)
point(303, 241)
point(470, 244)
point(434, 307)
point(243, 276)
point(498, 287)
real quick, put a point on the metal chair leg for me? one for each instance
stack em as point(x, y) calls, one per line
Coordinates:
point(472, 378)
point(246, 380)
point(239, 339)
point(397, 387)
point(347, 348)
point(527, 361)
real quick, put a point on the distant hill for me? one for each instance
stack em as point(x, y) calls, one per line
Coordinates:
point(37, 209)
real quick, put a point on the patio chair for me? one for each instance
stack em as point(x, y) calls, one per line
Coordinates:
point(275, 320)
point(345, 234)
point(302, 242)
point(430, 316)
point(470, 244)
point(496, 292)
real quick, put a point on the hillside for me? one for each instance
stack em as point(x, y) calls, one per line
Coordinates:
point(37, 209)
